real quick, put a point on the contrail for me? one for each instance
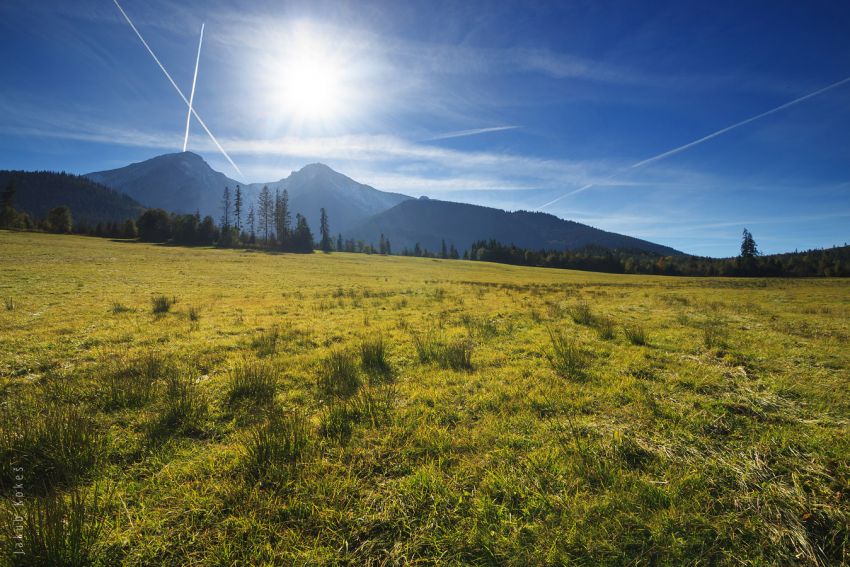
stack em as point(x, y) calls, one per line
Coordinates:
point(722, 131)
point(473, 132)
point(168, 76)
point(192, 94)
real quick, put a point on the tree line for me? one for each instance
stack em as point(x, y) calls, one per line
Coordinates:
point(828, 262)
point(268, 224)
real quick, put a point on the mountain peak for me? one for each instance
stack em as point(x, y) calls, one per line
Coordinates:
point(315, 170)
point(318, 166)
point(185, 157)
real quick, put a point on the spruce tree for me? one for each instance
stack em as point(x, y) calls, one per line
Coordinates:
point(324, 230)
point(8, 215)
point(266, 205)
point(283, 220)
point(748, 245)
point(59, 220)
point(339, 245)
point(302, 237)
point(237, 208)
point(225, 208)
point(251, 222)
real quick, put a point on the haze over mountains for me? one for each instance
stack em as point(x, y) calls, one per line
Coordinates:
point(429, 221)
point(184, 183)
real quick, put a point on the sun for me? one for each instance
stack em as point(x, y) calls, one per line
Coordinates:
point(312, 84)
point(310, 78)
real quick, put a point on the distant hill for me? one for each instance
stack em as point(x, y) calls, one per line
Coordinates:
point(348, 202)
point(180, 183)
point(184, 183)
point(428, 221)
point(39, 191)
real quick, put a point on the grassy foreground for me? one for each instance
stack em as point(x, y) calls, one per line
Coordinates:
point(171, 406)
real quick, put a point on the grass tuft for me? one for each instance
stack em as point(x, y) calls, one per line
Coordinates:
point(605, 328)
point(566, 357)
point(582, 314)
point(373, 358)
point(456, 355)
point(252, 380)
point(118, 308)
point(338, 375)
point(185, 409)
point(636, 334)
point(266, 342)
point(56, 446)
point(161, 304)
point(58, 530)
point(132, 384)
point(715, 334)
point(273, 449)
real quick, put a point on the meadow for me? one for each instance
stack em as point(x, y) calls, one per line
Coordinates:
point(172, 406)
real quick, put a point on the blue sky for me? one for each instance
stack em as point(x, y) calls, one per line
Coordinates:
point(505, 104)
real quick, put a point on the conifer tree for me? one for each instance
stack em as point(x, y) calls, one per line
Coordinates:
point(324, 230)
point(266, 205)
point(339, 245)
point(283, 219)
point(8, 215)
point(237, 208)
point(225, 208)
point(748, 245)
point(251, 223)
point(302, 237)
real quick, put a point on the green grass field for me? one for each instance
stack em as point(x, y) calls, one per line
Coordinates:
point(353, 409)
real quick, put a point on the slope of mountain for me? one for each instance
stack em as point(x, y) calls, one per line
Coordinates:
point(39, 191)
point(184, 183)
point(347, 202)
point(428, 221)
point(180, 183)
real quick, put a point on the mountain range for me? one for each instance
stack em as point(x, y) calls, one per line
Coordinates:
point(185, 183)
point(36, 192)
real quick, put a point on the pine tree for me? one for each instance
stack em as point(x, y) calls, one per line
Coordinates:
point(339, 245)
point(382, 244)
point(324, 230)
point(8, 215)
point(251, 222)
point(389, 247)
point(748, 245)
point(284, 211)
point(237, 208)
point(277, 216)
point(266, 205)
point(302, 238)
point(444, 253)
point(59, 220)
point(225, 207)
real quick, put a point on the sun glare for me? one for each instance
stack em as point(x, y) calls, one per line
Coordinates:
point(309, 80)
point(312, 85)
